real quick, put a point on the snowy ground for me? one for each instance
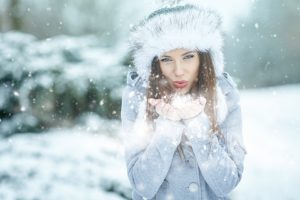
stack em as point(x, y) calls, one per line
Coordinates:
point(73, 164)
point(272, 136)
point(66, 164)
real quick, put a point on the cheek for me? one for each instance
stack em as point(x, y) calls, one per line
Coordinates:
point(194, 69)
point(166, 71)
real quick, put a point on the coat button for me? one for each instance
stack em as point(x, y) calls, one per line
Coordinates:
point(193, 187)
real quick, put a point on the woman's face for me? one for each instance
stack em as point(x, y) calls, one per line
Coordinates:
point(180, 67)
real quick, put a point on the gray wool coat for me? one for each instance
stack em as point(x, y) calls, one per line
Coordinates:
point(212, 166)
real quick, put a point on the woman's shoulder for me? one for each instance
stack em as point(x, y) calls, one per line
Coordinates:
point(135, 81)
point(135, 84)
point(132, 78)
point(227, 83)
point(133, 94)
point(229, 89)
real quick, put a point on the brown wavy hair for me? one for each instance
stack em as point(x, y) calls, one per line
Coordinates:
point(206, 86)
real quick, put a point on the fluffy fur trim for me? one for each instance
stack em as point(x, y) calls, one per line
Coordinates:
point(184, 26)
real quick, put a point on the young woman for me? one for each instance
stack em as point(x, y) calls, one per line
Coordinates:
point(181, 117)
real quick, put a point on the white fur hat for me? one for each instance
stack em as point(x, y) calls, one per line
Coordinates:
point(186, 25)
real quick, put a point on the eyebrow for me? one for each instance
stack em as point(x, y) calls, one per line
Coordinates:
point(181, 55)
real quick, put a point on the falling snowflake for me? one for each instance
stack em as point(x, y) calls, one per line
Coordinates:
point(16, 93)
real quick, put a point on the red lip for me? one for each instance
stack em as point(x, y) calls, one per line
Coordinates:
point(180, 84)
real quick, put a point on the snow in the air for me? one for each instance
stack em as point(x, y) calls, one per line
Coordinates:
point(76, 164)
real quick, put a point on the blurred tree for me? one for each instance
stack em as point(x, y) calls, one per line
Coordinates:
point(16, 22)
point(54, 82)
point(108, 19)
point(264, 50)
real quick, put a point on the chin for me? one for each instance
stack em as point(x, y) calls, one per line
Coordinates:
point(182, 91)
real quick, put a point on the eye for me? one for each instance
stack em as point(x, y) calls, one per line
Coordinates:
point(165, 60)
point(188, 56)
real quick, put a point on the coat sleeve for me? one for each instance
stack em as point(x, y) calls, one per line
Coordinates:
point(148, 156)
point(221, 165)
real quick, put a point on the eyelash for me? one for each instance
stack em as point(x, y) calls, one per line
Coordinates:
point(164, 59)
point(188, 56)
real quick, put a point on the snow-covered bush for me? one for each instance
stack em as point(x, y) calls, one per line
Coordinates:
point(53, 81)
point(64, 164)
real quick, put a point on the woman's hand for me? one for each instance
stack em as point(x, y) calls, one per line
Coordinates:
point(165, 109)
point(187, 107)
point(181, 107)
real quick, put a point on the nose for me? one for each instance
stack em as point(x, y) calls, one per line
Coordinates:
point(178, 69)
